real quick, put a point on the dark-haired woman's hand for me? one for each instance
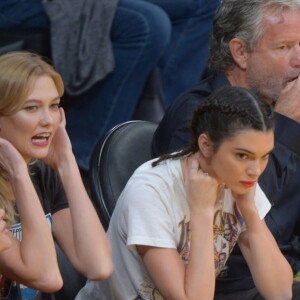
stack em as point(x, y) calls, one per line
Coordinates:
point(246, 204)
point(201, 188)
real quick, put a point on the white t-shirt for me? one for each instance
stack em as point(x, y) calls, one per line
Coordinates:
point(152, 210)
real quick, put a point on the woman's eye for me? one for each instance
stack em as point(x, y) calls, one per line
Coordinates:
point(55, 106)
point(241, 156)
point(31, 108)
point(266, 157)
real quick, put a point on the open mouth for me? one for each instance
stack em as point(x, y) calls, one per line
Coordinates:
point(41, 139)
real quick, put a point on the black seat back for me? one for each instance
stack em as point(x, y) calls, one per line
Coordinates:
point(114, 159)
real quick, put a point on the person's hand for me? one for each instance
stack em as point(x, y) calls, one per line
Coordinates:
point(245, 202)
point(60, 146)
point(11, 161)
point(288, 103)
point(5, 241)
point(201, 189)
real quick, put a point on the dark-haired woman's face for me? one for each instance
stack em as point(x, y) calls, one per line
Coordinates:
point(241, 159)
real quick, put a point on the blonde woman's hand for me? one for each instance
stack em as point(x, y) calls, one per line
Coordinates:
point(60, 146)
point(201, 189)
point(11, 161)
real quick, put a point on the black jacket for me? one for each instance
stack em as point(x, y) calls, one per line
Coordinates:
point(280, 181)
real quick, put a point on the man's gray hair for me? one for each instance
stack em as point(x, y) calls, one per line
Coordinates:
point(243, 19)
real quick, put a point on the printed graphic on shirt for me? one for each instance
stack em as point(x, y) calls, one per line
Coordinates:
point(147, 291)
point(16, 229)
point(9, 289)
point(183, 247)
point(227, 228)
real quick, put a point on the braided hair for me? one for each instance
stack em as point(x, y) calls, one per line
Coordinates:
point(224, 113)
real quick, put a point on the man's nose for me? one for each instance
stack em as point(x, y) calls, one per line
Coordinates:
point(295, 60)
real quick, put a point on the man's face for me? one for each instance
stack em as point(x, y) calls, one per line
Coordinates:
point(275, 60)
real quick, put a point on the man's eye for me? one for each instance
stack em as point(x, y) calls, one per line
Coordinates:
point(284, 47)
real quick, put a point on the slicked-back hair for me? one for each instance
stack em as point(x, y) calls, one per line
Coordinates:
point(243, 19)
point(222, 115)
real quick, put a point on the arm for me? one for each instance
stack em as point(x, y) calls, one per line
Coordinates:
point(285, 157)
point(26, 261)
point(78, 229)
point(196, 279)
point(283, 161)
point(271, 272)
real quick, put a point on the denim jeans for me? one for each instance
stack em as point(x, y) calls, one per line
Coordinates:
point(140, 33)
point(184, 61)
point(173, 34)
point(23, 14)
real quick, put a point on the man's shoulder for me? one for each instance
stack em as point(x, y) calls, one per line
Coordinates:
point(173, 132)
point(200, 91)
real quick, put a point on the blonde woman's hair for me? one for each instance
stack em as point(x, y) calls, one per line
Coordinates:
point(18, 73)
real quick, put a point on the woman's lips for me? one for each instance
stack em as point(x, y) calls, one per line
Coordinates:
point(248, 184)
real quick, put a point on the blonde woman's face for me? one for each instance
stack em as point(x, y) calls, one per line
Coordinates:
point(32, 128)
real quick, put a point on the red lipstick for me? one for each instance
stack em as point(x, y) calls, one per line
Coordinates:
point(248, 184)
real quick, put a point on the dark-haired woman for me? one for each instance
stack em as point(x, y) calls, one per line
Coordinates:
point(180, 216)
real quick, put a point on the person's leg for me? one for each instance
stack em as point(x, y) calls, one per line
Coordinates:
point(253, 294)
point(296, 290)
point(23, 14)
point(140, 33)
point(185, 59)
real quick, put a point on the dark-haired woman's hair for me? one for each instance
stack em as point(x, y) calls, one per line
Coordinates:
point(224, 113)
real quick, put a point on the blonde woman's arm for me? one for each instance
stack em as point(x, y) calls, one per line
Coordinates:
point(78, 229)
point(32, 261)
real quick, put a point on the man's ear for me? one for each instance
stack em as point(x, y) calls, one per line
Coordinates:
point(205, 145)
point(238, 52)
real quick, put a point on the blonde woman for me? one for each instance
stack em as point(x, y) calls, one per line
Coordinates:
point(41, 187)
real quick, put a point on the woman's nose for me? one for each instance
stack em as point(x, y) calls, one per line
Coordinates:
point(46, 118)
point(254, 169)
